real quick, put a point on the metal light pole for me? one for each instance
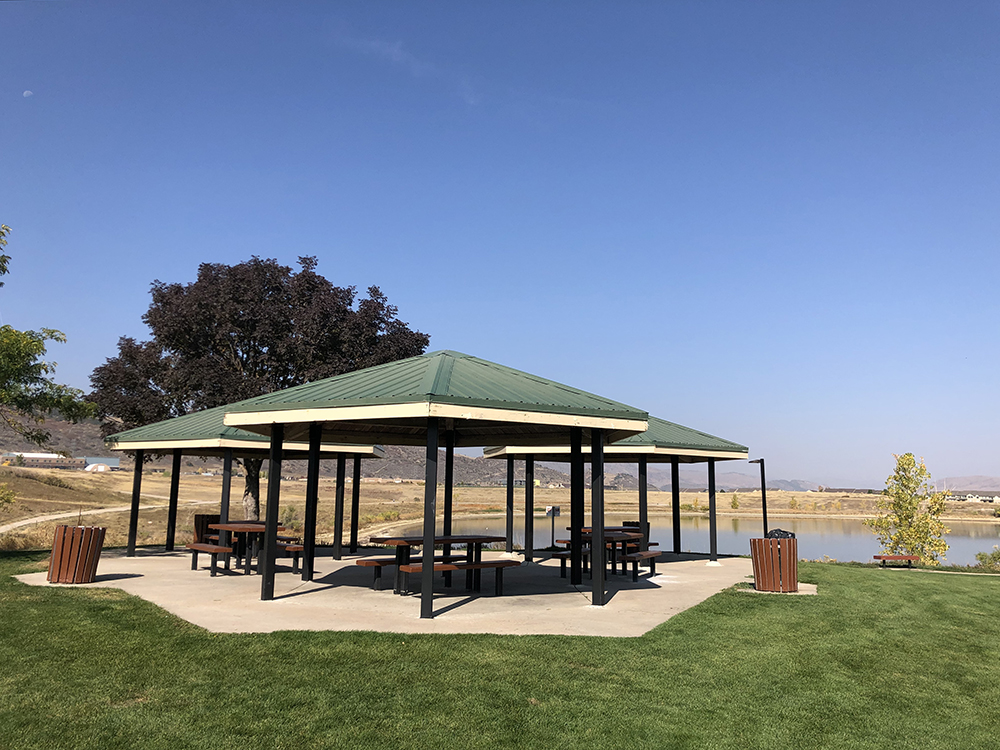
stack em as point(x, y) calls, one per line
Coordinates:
point(763, 491)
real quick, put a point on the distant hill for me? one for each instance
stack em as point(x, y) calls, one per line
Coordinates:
point(401, 462)
point(406, 462)
point(78, 440)
point(970, 484)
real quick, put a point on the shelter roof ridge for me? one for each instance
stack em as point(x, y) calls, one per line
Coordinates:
point(443, 377)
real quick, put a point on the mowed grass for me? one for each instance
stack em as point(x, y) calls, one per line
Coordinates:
point(881, 659)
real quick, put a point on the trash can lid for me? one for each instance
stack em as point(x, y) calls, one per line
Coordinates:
point(779, 534)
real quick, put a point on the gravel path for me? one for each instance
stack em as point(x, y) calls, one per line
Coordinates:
point(96, 511)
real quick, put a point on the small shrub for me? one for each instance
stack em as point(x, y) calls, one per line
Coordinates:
point(990, 560)
point(7, 496)
point(384, 517)
point(290, 517)
point(735, 503)
point(21, 539)
point(793, 503)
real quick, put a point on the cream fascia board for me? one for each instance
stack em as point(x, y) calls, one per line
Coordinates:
point(613, 450)
point(375, 451)
point(425, 409)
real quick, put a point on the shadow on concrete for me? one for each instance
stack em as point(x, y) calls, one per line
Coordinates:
point(103, 578)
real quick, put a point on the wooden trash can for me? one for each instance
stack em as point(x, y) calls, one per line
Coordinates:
point(75, 553)
point(775, 564)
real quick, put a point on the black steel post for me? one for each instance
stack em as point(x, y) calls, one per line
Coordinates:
point(312, 503)
point(529, 509)
point(449, 489)
point(713, 541)
point(675, 502)
point(510, 505)
point(597, 551)
point(133, 518)
point(576, 503)
point(643, 505)
point(338, 507)
point(430, 521)
point(268, 554)
point(763, 495)
point(175, 485)
point(227, 488)
point(355, 502)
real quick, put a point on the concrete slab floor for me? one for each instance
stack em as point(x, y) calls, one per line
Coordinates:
point(536, 600)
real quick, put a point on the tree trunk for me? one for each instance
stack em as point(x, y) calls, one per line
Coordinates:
point(251, 492)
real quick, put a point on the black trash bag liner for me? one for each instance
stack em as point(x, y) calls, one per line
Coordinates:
point(779, 534)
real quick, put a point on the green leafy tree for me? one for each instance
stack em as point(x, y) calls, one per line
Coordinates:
point(4, 258)
point(909, 513)
point(241, 331)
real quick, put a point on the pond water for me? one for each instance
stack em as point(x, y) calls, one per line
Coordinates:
point(838, 538)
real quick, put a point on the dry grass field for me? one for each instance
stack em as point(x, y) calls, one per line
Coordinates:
point(383, 504)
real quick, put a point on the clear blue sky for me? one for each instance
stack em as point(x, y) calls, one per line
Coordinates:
point(775, 222)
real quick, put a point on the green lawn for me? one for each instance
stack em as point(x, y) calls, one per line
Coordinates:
point(881, 659)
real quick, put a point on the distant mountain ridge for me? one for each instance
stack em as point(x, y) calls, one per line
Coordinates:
point(969, 484)
point(401, 462)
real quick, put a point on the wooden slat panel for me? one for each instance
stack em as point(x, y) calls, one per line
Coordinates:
point(71, 547)
point(56, 549)
point(80, 565)
point(783, 550)
point(92, 555)
point(79, 534)
point(100, 548)
point(773, 569)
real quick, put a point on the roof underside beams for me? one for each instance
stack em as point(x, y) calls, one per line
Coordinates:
point(407, 425)
point(468, 433)
point(244, 448)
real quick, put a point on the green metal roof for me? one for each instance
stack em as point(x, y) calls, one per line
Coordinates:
point(662, 442)
point(443, 378)
point(205, 433)
point(664, 434)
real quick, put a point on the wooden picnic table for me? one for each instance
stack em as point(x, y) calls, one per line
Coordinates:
point(252, 531)
point(473, 550)
point(614, 536)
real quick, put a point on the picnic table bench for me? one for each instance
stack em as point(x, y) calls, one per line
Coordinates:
point(293, 549)
point(908, 559)
point(212, 549)
point(469, 568)
point(565, 554)
point(636, 557)
point(384, 562)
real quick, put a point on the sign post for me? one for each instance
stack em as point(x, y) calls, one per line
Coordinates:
point(552, 511)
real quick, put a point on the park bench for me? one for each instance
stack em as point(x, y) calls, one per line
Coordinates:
point(469, 568)
point(908, 559)
point(293, 550)
point(212, 549)
point(636, 557)
point(565, 554)
point(384, 562)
